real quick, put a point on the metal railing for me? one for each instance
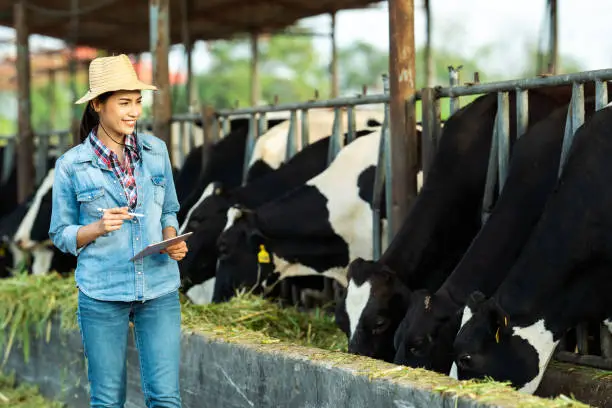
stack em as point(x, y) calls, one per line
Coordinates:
point(499, 159)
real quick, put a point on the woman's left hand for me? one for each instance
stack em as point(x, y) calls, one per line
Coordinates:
point(176, 251)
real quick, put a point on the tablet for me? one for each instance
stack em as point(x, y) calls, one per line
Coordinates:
point(155, 248)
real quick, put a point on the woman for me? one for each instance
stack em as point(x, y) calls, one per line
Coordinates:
point(98, 186)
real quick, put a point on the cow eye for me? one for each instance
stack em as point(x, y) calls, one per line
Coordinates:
point(380, 325)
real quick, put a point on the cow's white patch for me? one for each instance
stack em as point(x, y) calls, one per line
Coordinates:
point(232, 215)
point(42, 260)
point(467, 315)
point(356, 300)
point(542, 341)
point(202, 293)
point(208, 191)
point(608, 322)
point(24, 231)
point(272, 145)
point(349, 215)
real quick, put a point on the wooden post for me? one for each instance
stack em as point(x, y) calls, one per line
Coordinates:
point(72, 66)
point(255, 92)
point(404, 156)
point(429, 71)
point(334, 58)
point(25, 142)
point(159, 34)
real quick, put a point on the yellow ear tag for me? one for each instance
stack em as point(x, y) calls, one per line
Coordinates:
point(497, 335)
point(263, 256)
point(506, 321)
point(2, 251)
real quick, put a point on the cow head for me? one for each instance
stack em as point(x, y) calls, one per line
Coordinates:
point(487, 345)
point(246, 259)
point(371, 309)
point(207, 222)
point(425, 336)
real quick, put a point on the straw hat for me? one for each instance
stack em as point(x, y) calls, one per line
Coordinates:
point(112, 74)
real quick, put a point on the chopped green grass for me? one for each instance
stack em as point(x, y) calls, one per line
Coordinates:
point(28, 301)
point(22, 396)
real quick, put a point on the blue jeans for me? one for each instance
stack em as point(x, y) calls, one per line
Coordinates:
point(104, 329)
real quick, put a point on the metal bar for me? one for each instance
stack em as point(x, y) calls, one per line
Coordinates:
point(350, 118)
point(262, 124)
point(9, 159)
point(582, 339)
point(42, 153)
point(503, 137)
point(453, 79)
point(335, 143)
point(379, 185)
point(25, 145)
point(250, 145)
point(305, 133)
point(159, 32)
point(330, 103)
point(578, 106)
point(601, 94)
point(291, 148)
point(606, 341)
point(575, 118)
point(529, 83)
point(255, 92)
point(522, 112)
point(227, 126)
point(591, 361)
point(431, 124)
point(492, 169)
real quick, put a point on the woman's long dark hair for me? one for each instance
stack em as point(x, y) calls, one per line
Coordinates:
point(90, 117)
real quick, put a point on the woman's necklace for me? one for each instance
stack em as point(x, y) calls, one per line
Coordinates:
point(111, 138)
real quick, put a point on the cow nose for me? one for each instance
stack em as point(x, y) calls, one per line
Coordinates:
point(464, 360)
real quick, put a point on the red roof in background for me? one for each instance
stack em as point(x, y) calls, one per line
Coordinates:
point(45, 61)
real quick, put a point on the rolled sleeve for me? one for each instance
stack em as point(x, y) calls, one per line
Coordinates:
point(171, 205)
point(64, 212)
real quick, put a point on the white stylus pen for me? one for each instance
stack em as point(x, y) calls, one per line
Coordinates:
point(129, 213)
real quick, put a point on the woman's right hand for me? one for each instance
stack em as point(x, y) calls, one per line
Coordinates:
point(112, 219)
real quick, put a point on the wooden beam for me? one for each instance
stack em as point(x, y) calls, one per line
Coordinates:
point(334, 58)
point(160, 43)
point(554, 38)
point(25, 141)
point(404, 155)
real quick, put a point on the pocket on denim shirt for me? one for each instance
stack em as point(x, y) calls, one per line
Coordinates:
point(159, 189)
point(90, 200)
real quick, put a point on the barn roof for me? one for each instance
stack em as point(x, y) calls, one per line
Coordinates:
point(123, 26)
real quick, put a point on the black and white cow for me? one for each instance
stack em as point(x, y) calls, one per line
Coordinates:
point(560, 279)
point(316, 229)
point(210, 218)
point(425, 336)
point(8, 181)
point(222, 161)
point(442, 222)
point(268, 154)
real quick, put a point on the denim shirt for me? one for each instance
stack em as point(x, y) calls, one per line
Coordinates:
point(82, 185)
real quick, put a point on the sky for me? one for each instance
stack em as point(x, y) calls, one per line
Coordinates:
point(464, 26)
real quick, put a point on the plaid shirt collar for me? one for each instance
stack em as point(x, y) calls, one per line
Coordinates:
point(124, 171)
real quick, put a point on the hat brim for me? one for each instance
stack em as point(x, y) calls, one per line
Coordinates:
point(131, 86)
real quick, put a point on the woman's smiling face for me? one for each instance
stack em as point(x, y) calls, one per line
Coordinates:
point(118, 113)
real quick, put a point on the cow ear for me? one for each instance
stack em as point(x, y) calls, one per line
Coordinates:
point(475, 299)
